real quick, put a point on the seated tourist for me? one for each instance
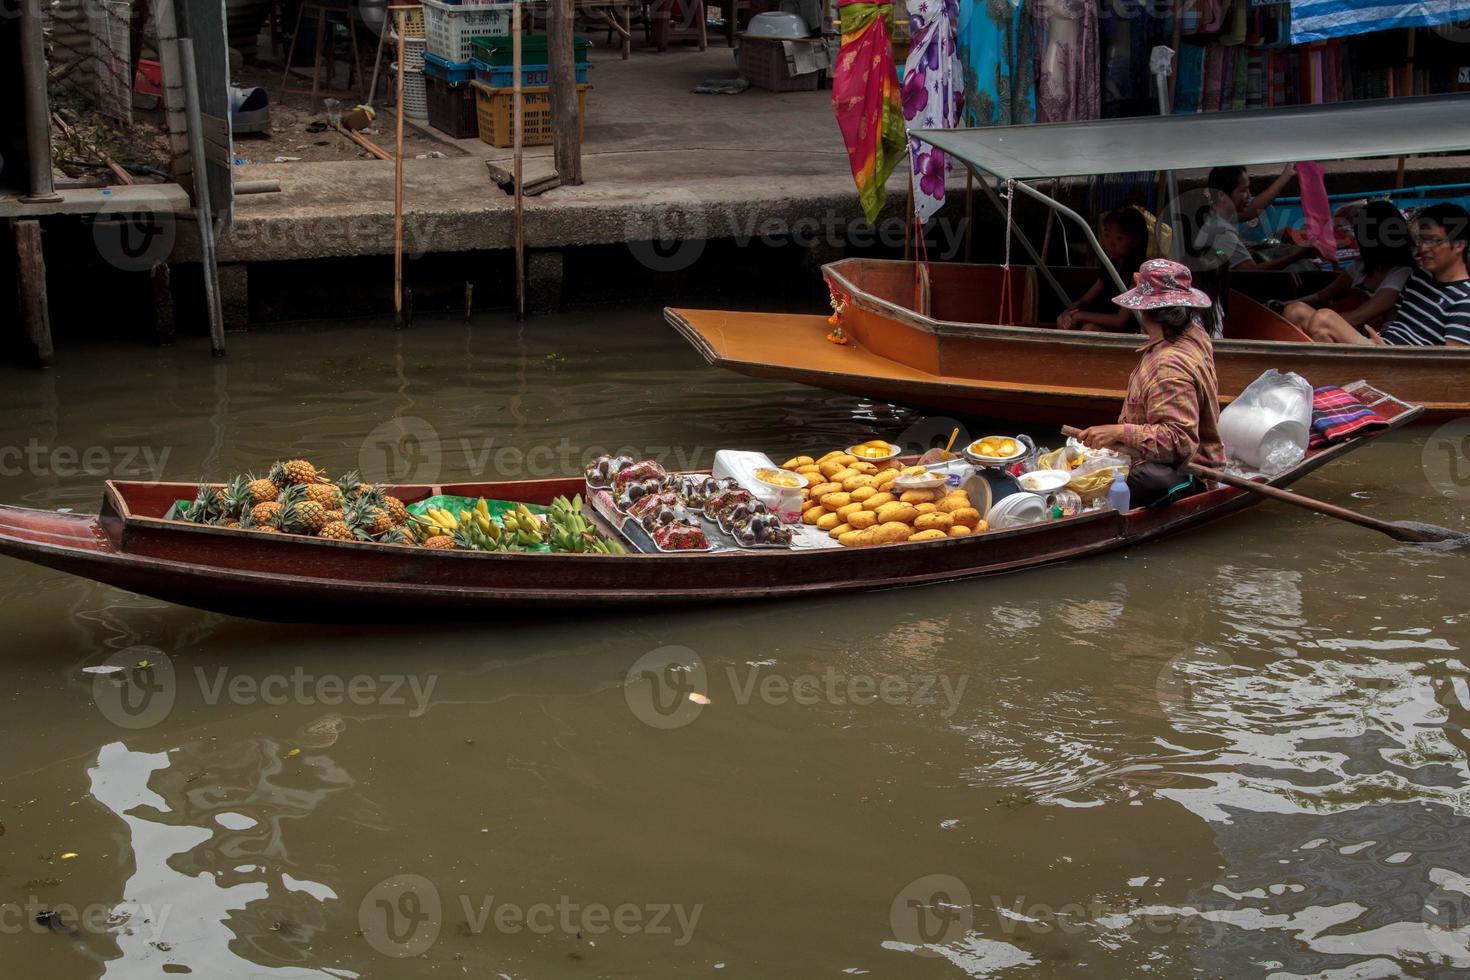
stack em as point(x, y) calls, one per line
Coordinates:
point(1434, 307)
point(1379, 274)
point(1229, 192)
point(1125, 242)
point(1171, 413)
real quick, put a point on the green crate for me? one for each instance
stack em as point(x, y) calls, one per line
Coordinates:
point(497, 51)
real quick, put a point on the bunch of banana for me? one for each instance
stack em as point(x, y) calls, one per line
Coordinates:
point(525, 527)
point(571, 532)
point(436, 521)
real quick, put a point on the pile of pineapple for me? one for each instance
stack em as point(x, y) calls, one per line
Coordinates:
point(295, 497)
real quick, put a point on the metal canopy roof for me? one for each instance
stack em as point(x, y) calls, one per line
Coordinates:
point(1342, 131)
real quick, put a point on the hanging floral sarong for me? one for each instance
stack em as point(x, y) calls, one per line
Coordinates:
point(933, 95)
point(865, 99)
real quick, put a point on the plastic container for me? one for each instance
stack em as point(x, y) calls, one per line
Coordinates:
point(413, 53)
point(1120, 498)
point(762, 62)
point(1261, 439)
point(497, 52)
point(415, 99)
point(452, 108)
point(1017, 509)
point(454, 72)
point(451, 29)
point(531, 75)
point(495, 109)
point(740, 466)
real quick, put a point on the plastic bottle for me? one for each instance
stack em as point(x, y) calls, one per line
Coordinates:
point(1120, 498)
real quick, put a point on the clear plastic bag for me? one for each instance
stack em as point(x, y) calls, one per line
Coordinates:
point(1267, 427)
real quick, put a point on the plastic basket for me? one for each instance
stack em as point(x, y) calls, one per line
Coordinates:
point(451, 30)
point(452, 108)
point(413, 53)
point(415, 100)
point(495, 108)
point(762, 62)
point(454, 72)
point(497, 77)
point(497, 52)
point(413, 23)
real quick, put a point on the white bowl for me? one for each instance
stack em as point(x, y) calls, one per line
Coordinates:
point(1044, 481)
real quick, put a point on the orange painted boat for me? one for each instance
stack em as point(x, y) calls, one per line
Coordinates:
point(943, 347)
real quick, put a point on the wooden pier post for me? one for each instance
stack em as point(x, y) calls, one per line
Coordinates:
point(566, 116)
point(35, 313)
point(520, 202)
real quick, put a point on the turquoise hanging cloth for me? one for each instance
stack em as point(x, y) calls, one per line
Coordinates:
point(997, 45)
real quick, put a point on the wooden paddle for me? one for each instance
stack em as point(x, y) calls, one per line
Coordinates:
point(1410, 531)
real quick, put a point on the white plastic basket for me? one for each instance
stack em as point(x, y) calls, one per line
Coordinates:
point(415, 97)
point(451, 30)
point(413, 53)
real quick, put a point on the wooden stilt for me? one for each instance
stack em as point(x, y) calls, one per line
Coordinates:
point(520, 202)
point(35, 311)
point(566, 117)
point(398, 176)
point(163, 304)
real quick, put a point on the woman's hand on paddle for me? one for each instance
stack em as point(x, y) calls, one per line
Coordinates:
point(1101, 436)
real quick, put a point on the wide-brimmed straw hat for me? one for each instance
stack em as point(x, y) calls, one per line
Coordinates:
point(1160, 283)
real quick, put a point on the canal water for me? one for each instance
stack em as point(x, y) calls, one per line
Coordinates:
point(1238, 753)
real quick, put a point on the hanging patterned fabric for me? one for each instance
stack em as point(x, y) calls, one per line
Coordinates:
point(997, 47)
point(1067, 67)
point(933, 95)
point(865, 99)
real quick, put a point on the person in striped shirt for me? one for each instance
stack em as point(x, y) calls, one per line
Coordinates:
point(1434, 308)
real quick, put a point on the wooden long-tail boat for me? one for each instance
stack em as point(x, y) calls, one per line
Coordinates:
point(953, 337)
point(133, 545)
point(936, 355)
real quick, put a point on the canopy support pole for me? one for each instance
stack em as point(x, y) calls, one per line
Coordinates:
point(1011, 229)
point(1065, 211)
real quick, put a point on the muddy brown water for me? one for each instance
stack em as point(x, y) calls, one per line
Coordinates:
point(1242, 752)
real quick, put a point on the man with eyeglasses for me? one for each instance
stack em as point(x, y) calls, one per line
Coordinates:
point(1434, 308)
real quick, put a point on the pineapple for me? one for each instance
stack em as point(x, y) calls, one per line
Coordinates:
point(206, 506)
point(350, 484)
point(236, 498)
point(398, 535)
point(440, 542)
point(261, 490)
point(397, 512)
point(266, 514)
point(334, 515)
point(325, 494)
point(294, 472)
point(299, 514)
point(336, 531)
point(365, 514)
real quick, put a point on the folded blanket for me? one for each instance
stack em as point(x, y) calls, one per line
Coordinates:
point(1338, 415)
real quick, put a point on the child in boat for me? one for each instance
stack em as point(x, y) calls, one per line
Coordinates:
point(1379, 274)
point(1228, 190)
point(1171, 413)
point(1125, 241)
point(1434, 308)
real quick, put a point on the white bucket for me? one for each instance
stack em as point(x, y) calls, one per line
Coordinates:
point(1261, 439)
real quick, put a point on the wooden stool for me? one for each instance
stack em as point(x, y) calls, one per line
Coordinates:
point(333, 13)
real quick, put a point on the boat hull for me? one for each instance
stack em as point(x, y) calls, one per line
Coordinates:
point(1026, 372)
point(130, 545)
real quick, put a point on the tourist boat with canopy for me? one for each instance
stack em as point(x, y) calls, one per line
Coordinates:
point(981, 340)
point(140, 543)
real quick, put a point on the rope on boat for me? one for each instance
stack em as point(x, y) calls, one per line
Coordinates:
point(1006, 313)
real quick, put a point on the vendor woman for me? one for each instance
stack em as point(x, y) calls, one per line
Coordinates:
point(1172, 411)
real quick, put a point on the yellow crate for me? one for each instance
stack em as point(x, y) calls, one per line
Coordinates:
point(495, 108)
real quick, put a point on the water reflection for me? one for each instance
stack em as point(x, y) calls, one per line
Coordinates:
point(208, 913)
